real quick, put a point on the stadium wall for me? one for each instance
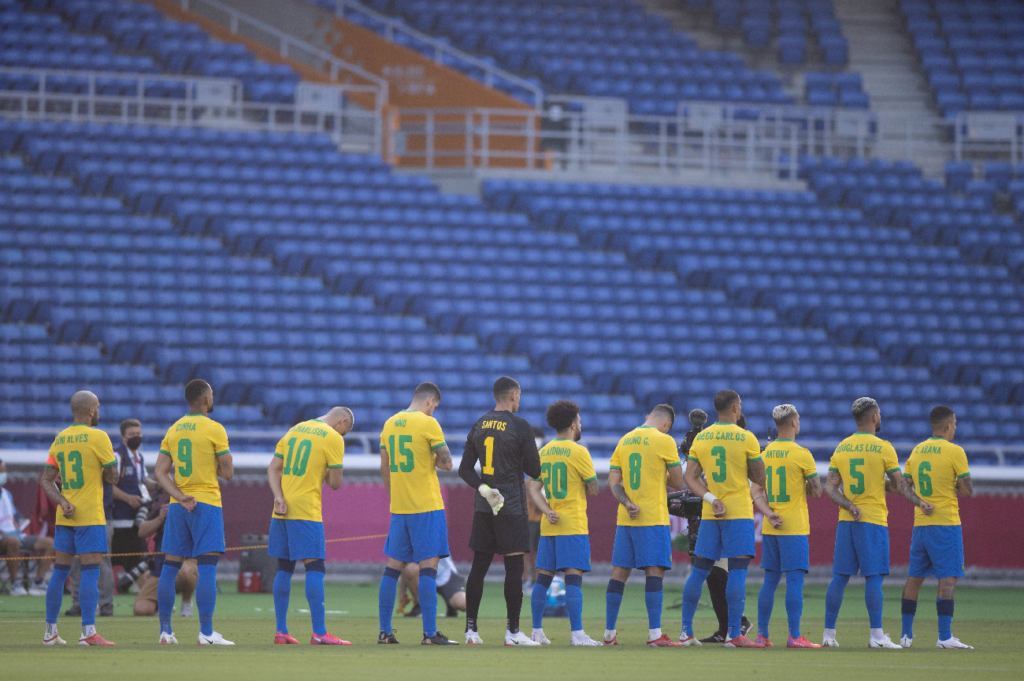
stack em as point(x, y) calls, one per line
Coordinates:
point(360, 509)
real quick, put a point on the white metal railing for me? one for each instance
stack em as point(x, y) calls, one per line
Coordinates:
point(188, 101)
point(362, 453)
point(989, 136)
point(440, 51)
point(287, 45)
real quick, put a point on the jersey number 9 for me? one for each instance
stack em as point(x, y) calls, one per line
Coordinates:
point(185, 457)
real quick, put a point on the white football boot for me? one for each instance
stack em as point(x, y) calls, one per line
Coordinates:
point(519, 639)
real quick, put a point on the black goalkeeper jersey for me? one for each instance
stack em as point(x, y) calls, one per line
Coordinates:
point(503, 443)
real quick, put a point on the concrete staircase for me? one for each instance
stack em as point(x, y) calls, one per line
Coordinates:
point(881, 50)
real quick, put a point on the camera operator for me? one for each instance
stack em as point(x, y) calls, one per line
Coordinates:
point(184, 583)
point(689, 506)
point(131, 503)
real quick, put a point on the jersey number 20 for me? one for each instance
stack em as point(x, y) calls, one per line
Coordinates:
point(556, 479)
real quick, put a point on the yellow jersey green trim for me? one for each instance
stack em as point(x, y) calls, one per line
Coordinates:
point(439, 444)
point(833, 468)
point(615, 468)
point(893, 469)
point(783, 440)
point(673, 465)
point(165, 452)
point(639, 427)
point(860, 433)
point(408, 411)
point(340, 465)
point(756, 458)
point(51, 466)
point(226, 451)
point(561, 439)
point(591, 479)
point(319, 421)
point(108, 465)
point(84, 425)
point(963, 475)
point(935, 437)
point(280, 456)
point(692, 458)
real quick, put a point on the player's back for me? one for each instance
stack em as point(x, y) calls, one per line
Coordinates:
point(787, 467)
point(723, 451)
point(644, 455)
point(863, 460)
point(80, 453)
point(565, 470)
point(308, 449)
point(410, 438)
point(935, 465)
point(503, 441)
point(194, 442)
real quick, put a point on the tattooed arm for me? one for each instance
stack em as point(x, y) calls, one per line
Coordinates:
point(813, 487)
point(593, 488)
point(47, 482)
point(965, 486)
point(443, 458)
point(910, 495)
point(834, 490)
point(615, 483)
point(692, 479)
point(760, 499)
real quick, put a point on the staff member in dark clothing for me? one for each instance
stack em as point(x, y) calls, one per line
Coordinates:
point(504, 445)
point(130, 494)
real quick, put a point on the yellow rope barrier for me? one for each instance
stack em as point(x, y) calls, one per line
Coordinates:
point(233, 548)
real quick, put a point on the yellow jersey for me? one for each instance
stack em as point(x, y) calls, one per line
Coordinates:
point(565, 469)
point(410, 438)
point(194, 442)
point(644, 456)
point(863, 460)
point(309, 449)
point(935, 465)
point(723, 450)
point(80, 453)
point(787, 466)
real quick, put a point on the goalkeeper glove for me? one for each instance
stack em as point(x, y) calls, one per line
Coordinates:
point(492, 497)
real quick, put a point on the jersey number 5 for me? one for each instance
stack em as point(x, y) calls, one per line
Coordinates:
point(858, 486)
point(410, 462)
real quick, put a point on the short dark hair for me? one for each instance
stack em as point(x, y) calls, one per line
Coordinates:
point(725, 399)
point(863, 407)
point(130, 423)
point(940, 415)
point(561, 414)
point(195, 389)
point(503, 386)
point(667, 411)
point(426, 390)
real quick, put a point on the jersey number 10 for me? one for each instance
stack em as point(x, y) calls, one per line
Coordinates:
point(301, 457)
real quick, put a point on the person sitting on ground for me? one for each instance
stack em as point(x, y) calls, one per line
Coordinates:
point(184, 583)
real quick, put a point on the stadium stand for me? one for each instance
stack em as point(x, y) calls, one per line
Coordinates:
point(791, 24)
point(616, 50)
point(120, 35)
point(972, 52)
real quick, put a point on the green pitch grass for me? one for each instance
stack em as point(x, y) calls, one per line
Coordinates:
point(989, 619)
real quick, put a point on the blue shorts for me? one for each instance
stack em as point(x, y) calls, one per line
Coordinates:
point(564, 552)
point(863, 546)
point(297, 539)
point(643, 546)
point(785, 552)
point(937, 550)
point(192, 534)
point(80, 539)
point(718, 539)
point(413, 537)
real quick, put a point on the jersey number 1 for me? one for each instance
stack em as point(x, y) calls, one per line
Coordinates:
point(488, 464)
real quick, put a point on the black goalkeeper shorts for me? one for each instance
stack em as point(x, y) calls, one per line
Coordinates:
point(503, 534)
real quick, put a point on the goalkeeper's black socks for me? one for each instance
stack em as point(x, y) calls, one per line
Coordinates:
point(717, 580)
point(514, 567)
point(475, 586)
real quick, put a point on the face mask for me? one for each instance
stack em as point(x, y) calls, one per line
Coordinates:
point(3, 479)
point(134, 442)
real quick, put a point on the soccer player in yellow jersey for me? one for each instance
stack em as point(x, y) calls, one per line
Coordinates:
point(643, 464)
point(412, 448)
point(730, 455)
point(790, 476)
point(567, 476)
point(84, 458)
point(863, 468)
point(310, 454)
point(935, 472)
point(195, 449)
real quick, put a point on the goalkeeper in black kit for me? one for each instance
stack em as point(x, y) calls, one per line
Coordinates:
point(504, 445)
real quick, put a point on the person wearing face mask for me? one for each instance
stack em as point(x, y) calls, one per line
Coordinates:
point(129, 495)
point(13, 542)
